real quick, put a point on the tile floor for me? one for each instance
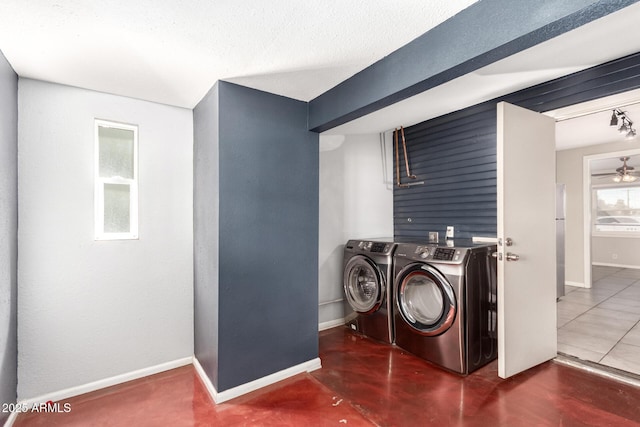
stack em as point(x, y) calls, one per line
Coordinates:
point(363, 383)
point(602, 324)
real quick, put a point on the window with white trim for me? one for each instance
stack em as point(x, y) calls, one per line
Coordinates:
point(616, 210)
point(116, 181)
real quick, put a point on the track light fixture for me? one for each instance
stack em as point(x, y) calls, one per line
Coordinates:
point(623, 129)
point(626, 128)
point(614, 119)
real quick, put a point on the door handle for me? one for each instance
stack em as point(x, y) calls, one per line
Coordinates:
point(512, 257)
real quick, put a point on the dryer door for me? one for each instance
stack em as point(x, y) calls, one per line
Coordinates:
point(364, 285)
point(425, 299)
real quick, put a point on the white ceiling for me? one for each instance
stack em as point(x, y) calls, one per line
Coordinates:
point(589, 123)
point(610, 164)
point(172, 51)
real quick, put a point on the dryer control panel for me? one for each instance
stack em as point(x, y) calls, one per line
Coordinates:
point(445, 254)
point(438, 253)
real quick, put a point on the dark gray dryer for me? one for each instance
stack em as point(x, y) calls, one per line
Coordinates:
point(445, 303)
point(367, 282)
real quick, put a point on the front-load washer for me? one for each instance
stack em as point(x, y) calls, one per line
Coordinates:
point(367, 283)
point(445, 303)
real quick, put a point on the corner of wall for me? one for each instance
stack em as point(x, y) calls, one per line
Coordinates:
point(8, 233)
point(206, 233)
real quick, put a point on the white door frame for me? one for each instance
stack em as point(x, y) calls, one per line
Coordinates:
point(586, 194)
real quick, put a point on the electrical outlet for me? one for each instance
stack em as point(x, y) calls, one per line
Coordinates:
point(449, 234)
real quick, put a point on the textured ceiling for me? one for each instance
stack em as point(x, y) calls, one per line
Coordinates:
point(173, 51)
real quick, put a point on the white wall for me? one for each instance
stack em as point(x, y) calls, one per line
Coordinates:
point(569, 164)
point(92, 310)
point(8, 233)
point(356, 201)
point(616, 251)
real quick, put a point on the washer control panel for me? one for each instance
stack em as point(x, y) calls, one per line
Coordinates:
point(376, 247)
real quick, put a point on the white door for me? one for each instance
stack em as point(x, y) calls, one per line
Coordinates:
point(526, 230)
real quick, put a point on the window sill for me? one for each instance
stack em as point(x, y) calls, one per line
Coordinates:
point(116, 236)
point(629, 235)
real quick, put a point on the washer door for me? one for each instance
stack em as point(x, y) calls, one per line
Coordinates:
point(425, 299)
point(364, 285)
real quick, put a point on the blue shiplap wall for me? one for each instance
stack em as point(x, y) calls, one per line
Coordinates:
point(456, 157)
point(455, 154)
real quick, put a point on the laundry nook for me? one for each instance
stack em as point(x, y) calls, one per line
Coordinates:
point(319, 213)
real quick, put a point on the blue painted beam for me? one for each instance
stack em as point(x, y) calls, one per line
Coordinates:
point(484, 33)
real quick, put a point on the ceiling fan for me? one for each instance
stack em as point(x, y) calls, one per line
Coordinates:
point(624, 173)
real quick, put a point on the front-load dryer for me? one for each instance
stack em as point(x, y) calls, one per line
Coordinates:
point(445, 303)
point(367, 283)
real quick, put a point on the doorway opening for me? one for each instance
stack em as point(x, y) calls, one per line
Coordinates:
point(599, 315)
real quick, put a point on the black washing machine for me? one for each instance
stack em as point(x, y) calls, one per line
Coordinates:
point(367, 282)
point(445, 303)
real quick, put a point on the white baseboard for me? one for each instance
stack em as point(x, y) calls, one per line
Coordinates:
point(234, 392)
point(11, 419)
point(330, 324)
point(576, 284)
point(205, 379)
point(607, 264)
point(107, 382)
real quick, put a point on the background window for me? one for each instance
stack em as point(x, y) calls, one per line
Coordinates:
point(116, 181)
point(617, 210)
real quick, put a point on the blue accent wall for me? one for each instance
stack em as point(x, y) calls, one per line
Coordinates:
point(485, 32)
point(455, 154)
point(456, 157)
point(8, 234)
point(267, 228)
